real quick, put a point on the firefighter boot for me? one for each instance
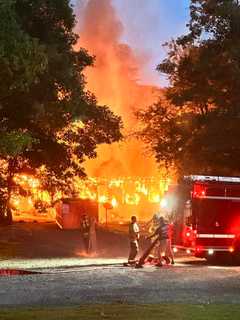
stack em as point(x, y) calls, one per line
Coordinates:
point(159, 264)
point(166, 259)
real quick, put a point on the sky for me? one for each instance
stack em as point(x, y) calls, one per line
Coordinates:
point(148, 24)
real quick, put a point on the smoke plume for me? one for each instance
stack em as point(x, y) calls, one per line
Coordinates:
point(114, 81)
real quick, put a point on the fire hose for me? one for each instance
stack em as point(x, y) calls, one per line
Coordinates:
point(146, 253)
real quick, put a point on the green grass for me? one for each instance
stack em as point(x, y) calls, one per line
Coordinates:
point(125, 312)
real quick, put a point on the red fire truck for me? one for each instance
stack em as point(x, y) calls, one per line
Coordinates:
point(208, 216)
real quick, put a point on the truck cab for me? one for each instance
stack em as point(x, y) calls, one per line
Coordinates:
point(209, 214)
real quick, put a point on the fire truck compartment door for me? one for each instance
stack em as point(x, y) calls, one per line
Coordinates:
point(217, 216)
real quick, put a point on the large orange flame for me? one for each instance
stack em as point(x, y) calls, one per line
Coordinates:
point(114, 81)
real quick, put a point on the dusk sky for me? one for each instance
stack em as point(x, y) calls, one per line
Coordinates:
point(150, 23)
point(147, 25)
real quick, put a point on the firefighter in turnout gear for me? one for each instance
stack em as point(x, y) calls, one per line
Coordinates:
point(164, 245)
point(151, 226)
point(134, 239)
point(85, 230)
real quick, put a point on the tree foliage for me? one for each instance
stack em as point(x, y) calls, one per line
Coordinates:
point(42, 91)
point(22, 58)
point(199, 123)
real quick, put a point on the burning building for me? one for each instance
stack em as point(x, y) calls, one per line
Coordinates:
point(133, 181)
point(114, 200)
point(120, 198)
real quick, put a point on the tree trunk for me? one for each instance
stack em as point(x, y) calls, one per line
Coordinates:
point(5, 213)
point(11, 170)
point(2, 207)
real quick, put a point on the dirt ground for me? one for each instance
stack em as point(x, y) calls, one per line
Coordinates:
point(47, 240)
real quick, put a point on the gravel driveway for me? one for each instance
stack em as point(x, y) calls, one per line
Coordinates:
point(189, 280)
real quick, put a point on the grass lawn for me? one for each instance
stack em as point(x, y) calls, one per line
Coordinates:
point(121, 311)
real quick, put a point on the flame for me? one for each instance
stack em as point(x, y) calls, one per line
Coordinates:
point(103, 199)
point(114, 202)
point(132, 199)
point(114, 81)
point(26, 181)
point(115, 183)
point(124, 194)
point(155, 198)
point(24, 205)
point(141, 188)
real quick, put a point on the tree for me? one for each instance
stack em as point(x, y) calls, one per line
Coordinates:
point(42, 92)
point(203, 68)
point(185, 142)
point(22, 58)
point(12, 145)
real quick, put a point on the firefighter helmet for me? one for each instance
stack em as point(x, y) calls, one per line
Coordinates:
point(156, 217)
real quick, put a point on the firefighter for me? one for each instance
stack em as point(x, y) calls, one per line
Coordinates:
point(92, 236)
point(152, 226)
point(134, 240)
point(164, 246)
point(85, 230)
point(169, 257)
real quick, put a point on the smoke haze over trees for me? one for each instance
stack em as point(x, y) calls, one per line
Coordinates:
point(196, 128)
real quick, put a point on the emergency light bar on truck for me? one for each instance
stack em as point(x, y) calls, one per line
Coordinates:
point(212, 178)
